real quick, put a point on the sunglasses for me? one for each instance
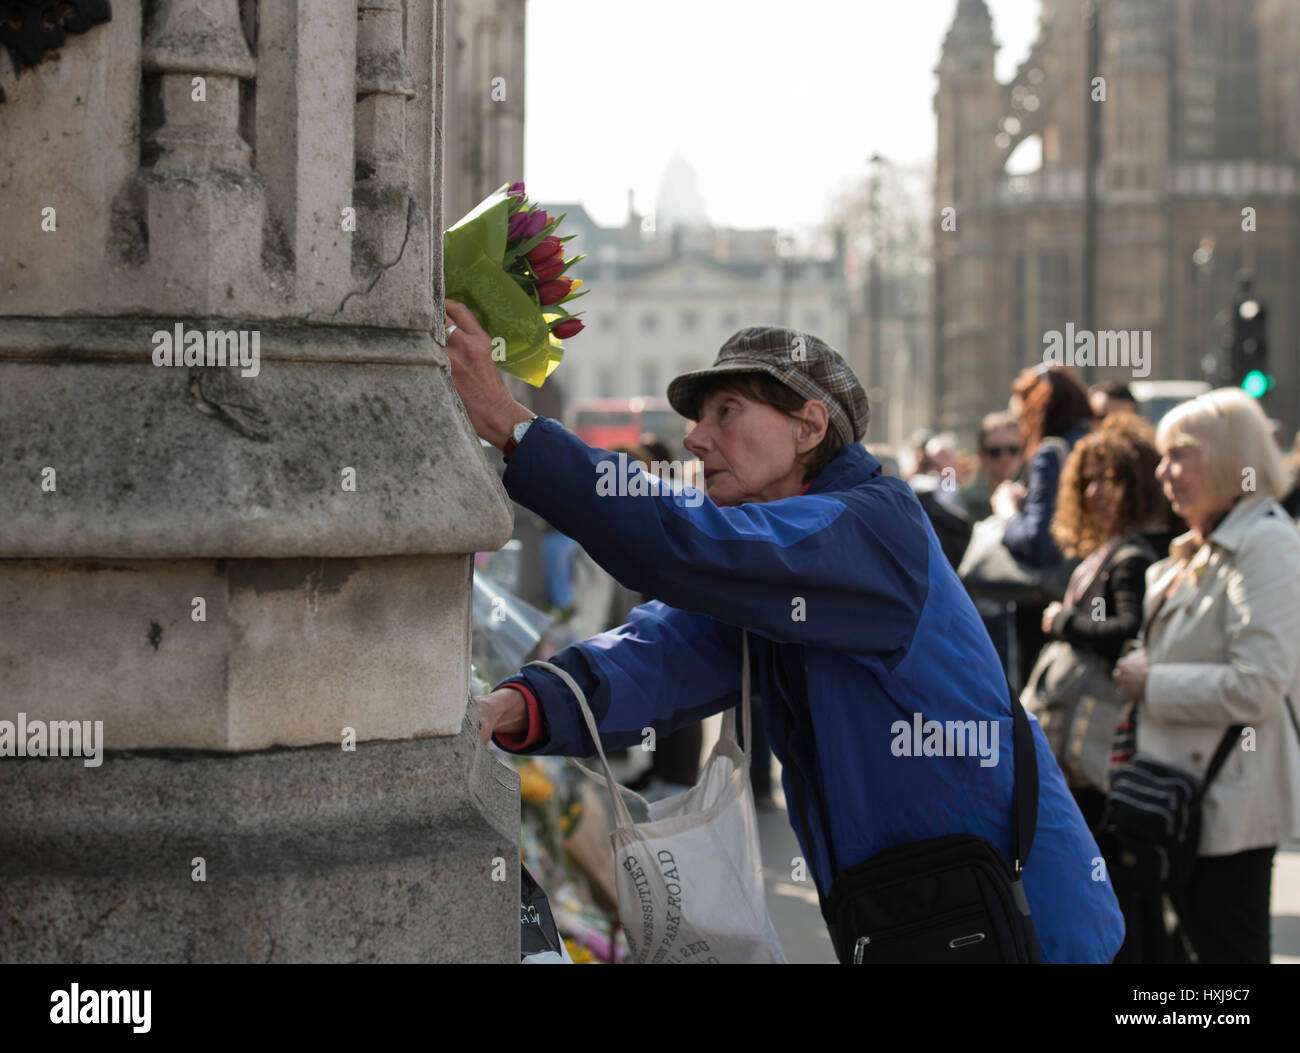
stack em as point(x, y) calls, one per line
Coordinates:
point(1002, 451)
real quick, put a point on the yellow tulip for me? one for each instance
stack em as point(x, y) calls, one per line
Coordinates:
point(534, 786)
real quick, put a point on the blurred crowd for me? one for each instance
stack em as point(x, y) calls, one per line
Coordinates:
point(1142, 587)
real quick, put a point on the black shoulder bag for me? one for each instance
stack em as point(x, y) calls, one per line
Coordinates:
point(1150, 830)
point(951, 899)
point(1151, 827)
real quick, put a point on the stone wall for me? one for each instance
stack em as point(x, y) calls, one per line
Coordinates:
point(240, 568)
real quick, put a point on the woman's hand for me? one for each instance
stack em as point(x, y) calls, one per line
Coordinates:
point(1007, 499)
point(492, 410)
point(1049, 615)
point(504, 711)
point(1131, 674)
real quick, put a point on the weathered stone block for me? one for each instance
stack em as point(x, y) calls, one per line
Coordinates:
point(387, 854)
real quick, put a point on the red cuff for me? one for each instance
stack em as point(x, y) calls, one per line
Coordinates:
point(522, 740)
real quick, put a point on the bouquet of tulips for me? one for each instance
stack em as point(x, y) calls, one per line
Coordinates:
point(505, 262)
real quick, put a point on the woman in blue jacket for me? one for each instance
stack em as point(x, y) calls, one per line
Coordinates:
point(858, 625)
point(1053, 415)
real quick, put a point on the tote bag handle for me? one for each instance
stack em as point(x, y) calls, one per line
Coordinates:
point(616, 791)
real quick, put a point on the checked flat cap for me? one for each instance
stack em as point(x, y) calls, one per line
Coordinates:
point(800, 361)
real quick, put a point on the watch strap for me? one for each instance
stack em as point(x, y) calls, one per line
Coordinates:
point(512, 443)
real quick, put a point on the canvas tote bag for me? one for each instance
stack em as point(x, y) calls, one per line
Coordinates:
point(690, 883)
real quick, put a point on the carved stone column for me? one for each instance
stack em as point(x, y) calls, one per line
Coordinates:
point(383, 185)
point(255, 574)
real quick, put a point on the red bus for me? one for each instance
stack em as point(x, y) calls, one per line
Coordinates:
point(614, 422)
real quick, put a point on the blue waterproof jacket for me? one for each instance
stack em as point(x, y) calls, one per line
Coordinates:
point(860, 632)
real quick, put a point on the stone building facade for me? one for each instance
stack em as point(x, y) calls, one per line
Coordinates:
point(1196, 177)
point(253, 576)
point(664, 304)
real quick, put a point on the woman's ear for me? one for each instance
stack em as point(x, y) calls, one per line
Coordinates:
point(814, 420)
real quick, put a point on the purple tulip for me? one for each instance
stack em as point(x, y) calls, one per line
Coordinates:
point(515, 188)
point(515, 229)
point(536, 222)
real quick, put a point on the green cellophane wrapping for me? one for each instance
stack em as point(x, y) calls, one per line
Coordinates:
point(473, 251)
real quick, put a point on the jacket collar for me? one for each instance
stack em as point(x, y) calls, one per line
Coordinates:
point(1232, 528)
point(851, 466)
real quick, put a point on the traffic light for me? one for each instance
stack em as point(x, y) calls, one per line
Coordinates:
point(1257, 384)
point(1250, 342)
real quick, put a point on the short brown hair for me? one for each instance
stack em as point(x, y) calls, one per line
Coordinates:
point(993, 422)
point(766, 389)
point(1122, 453)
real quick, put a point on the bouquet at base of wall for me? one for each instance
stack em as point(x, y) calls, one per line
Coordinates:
point(505, 262)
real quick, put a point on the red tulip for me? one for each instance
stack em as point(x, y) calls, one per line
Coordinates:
point(545, 249)
point(548, 269)
point(567, 328)
point(554, 291)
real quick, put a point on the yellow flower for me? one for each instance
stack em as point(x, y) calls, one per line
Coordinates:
point(580, 954)
point(534, 786)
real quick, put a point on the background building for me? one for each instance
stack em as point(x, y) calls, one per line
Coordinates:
point(484, 106)
point(1200, 121)
point(663, 301)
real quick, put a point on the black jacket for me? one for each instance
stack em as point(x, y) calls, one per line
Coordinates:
point(1124, 576)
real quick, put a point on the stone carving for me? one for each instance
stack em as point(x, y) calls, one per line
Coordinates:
point(200, 54)
point(30, 28)
point(383, 175)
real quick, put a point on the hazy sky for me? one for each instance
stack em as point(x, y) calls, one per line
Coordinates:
point(777, 105)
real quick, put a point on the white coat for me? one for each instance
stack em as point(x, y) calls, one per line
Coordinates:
point(1225, 649)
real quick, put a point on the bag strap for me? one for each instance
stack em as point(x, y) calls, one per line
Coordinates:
point(1220, 757)
point(729, 717)
point(1024, 792)
point(622, 817)
point(1230, 739)
point(1025, 783)
point(617, 791)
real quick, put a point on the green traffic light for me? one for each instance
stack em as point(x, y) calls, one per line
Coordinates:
point(1257, 383)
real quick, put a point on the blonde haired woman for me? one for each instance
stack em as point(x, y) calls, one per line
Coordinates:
point(1222, 647)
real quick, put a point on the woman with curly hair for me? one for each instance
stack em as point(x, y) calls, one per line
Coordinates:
point(1112, 516)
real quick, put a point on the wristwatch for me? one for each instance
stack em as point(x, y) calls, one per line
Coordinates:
point(516, 437)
